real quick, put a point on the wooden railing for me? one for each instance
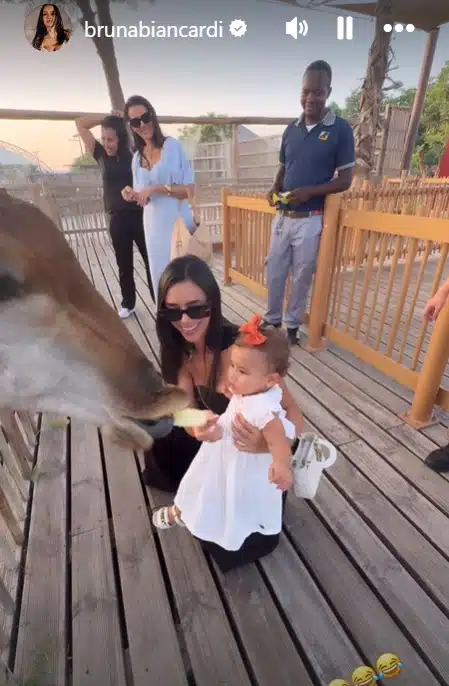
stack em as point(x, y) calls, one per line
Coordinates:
point(374, 307)
point(382, 255)
point(17, 440)
point(78, 208)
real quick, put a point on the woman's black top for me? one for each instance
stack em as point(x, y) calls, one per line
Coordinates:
point(116, 174)
point(210, 399)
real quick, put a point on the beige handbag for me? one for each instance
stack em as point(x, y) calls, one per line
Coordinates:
point(186, 243)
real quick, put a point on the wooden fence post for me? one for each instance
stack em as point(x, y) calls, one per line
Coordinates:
point(226, 235)
point(429, 380)
point(323, 275)
point(235, 162)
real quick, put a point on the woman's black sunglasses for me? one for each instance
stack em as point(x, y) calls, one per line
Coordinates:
point(146, 118)
point(174, 314)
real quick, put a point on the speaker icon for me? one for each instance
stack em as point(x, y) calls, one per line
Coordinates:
point(295, 28)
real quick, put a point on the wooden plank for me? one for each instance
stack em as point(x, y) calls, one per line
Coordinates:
point(348, 592)
point(309, 615)
point(418, 442)
point(97, 653)
point(9, 461)
point(401, 533)
point(352, 394)
point(5, 598)
point(9, 572)
point(28, 427)
point(16, 441)
point(240, 278)
point(412, 226)
point(7, 512)
point(389, 367)
point(250, 203)
point(407, 600)
point(42, 641)
point(273, 657)
point(372, 373)
point(372, 388)
point(153, 646)
point(211, 646)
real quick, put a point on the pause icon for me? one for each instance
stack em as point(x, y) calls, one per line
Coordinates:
point(345, 28)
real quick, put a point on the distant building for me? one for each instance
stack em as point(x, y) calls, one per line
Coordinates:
point(245, 134)
point(16, 168)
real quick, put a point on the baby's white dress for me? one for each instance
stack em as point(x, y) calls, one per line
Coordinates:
point(225, 494)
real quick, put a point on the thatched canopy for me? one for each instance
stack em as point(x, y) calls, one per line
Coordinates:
point(426, 15)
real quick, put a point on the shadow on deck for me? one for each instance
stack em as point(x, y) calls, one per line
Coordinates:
point(361, 570)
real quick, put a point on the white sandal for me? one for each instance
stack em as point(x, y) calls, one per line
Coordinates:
point(161, 519)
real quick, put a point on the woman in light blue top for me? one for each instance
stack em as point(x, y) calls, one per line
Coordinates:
point(163, 183)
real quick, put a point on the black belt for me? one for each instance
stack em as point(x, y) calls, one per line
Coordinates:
point(300, 215)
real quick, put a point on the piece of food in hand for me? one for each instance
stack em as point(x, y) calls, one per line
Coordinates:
point(190, 417)
point(284, 196)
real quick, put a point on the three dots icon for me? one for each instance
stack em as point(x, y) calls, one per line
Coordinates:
point(399, 28)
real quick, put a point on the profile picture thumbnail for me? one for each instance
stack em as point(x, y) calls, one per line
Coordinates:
point(48, 27)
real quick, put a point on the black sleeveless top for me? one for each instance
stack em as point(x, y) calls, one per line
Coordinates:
point(209, 399)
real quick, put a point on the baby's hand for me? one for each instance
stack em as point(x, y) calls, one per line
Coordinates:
point(280, 475)
point(209, 432)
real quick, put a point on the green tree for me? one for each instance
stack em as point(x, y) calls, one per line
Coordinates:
point(434, 126)
point(84, 160)
point(98, 13)
point(404, 99)
point(336, 108)
point(352, 104)
point(207, 133)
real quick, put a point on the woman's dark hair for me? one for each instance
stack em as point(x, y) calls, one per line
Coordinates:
point(41, 29)
point(118, 125)
point(174, 347)
point(158, 137)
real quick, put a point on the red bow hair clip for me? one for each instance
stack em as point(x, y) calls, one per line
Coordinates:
point(251, 329)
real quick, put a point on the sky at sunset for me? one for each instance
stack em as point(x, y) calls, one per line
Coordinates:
point(258, 74)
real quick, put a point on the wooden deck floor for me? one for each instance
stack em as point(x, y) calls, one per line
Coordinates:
point(361, 570)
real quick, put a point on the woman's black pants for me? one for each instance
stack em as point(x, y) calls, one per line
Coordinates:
point(126, 228)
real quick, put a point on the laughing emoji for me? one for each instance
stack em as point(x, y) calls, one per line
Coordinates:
point(364, 676)
point(338, 682)
point(388, 666)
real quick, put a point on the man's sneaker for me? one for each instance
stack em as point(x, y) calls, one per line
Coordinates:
point(292, 335)
point(124, 313)
point(438, 459)
point(276, 326)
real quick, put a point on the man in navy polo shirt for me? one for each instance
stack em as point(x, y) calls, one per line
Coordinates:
point(313, 148)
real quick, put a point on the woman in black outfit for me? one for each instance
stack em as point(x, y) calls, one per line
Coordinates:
point(195, 346)
point(126, 219)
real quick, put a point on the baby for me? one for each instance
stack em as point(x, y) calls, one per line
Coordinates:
point(226, 495)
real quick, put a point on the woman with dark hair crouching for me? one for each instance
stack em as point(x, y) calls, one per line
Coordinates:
point(195, 343)
point(113, 155)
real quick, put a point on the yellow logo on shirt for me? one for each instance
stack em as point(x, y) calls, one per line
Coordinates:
point(324, 135)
